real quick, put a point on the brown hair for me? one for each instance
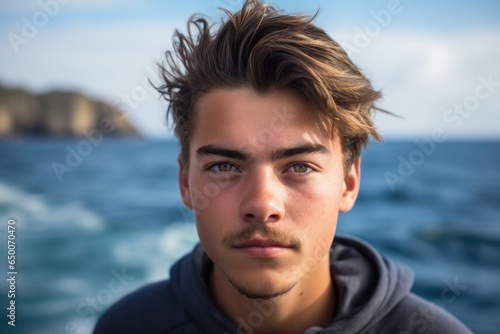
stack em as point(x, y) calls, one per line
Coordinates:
point(261, 48)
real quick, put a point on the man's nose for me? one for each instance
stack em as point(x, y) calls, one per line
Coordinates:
point(264, 196)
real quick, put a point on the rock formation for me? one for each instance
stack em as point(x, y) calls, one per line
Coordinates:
point(67, 114)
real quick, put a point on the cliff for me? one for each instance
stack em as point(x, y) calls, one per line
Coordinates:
point(58, 114)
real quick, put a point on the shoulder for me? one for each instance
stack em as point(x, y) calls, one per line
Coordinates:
point(416, 315)
point(151, 309)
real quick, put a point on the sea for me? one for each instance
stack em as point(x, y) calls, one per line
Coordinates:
point(94, 221)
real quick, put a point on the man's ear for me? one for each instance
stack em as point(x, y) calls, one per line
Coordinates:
point(351, 186)
point(184, 183)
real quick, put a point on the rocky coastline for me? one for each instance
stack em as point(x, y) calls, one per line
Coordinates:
point(59, 114)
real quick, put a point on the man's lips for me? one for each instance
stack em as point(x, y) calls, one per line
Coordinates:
point(263, 247)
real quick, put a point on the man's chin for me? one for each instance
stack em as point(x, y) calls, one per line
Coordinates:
point(264, 293)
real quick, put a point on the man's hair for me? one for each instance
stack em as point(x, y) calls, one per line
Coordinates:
point(266, 50)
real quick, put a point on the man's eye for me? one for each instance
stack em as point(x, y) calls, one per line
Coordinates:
point(223, 167)
point(300, 168)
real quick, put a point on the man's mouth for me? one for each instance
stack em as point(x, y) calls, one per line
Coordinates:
point(262, 247)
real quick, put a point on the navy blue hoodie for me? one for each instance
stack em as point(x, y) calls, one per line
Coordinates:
point(372, 296)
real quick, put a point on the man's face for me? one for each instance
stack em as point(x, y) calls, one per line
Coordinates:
point(266, 183)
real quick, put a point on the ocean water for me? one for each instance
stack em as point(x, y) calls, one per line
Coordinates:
point(94, 222)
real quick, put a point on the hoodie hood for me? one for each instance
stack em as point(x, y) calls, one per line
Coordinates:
point(367, 287)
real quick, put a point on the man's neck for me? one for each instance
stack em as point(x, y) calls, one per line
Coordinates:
point(309, 303)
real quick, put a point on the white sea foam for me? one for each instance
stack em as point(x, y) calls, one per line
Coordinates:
point(72, 286)
point(35, 212)
point(156, 251)
point(178, 239)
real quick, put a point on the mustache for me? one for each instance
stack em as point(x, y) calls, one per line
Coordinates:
point(264, 231)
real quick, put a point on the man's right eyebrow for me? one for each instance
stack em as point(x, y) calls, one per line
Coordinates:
point(222, 151)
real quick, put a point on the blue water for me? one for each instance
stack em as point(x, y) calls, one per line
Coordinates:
point(115, 222)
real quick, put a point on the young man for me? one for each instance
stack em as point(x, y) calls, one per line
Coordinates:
point(272, 116)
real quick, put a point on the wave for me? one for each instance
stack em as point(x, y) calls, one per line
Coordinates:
point(155, 250)
point(35, 213)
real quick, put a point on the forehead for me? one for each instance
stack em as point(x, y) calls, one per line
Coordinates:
point(244, 118)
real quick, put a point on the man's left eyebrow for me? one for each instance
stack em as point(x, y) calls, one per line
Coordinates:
point(284, 153)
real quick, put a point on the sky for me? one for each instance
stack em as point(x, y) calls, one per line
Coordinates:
point(436, 62)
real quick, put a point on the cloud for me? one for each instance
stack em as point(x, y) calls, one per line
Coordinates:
point(423, 74)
